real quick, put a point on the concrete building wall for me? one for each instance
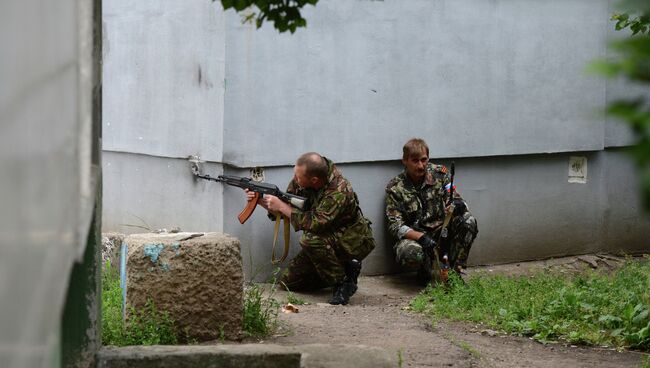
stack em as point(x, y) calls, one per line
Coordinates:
point(145, 193)
point(493, 77)
point(49, 173)
point(164, 89)
point(164, 78)
point(498, 86)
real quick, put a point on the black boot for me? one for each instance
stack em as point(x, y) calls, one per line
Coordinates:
point(352, 271)
point(340, 294)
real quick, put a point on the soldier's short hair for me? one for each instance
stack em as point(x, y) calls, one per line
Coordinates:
point(414, 147)
point(315, 165)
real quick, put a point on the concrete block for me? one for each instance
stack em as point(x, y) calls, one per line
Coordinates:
point(196, 278)
point(111, 244)
point(248, 355)
point(222, 356)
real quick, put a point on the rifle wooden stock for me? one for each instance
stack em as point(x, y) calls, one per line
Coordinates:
point(249, 209)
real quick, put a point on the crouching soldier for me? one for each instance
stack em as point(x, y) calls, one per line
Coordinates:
point(416, 206)
point(336, 236)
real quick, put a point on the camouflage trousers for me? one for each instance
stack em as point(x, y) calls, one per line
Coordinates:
point(461, 234)
point(320, 262)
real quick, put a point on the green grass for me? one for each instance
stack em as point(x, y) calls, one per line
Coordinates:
point(146, 326)
point(593, 309)
point(260, 311)
point(294, 299)
point(400, 358)
point(261, 308)
point(646, 363)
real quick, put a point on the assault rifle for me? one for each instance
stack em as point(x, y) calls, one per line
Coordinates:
point(259, 188)
point(443, 241)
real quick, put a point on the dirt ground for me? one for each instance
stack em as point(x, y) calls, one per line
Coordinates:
point(378, 315)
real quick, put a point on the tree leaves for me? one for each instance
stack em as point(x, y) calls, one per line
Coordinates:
point(631, 60)
point(284, 14)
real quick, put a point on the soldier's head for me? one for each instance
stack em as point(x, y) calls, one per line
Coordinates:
point(415, 157)
point(310, 171)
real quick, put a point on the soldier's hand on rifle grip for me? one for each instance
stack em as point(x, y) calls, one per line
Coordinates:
point(275, 205)
point(250, 195)
point(459, 206)
point(426, 242)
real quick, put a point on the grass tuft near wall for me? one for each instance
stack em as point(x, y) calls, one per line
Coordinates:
point(146, 326)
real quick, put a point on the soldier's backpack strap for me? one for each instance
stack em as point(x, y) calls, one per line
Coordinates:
point(280, 217)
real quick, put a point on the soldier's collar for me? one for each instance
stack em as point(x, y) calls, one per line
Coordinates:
point(428, 180)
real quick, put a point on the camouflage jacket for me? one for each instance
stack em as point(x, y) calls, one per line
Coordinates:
point(330, 208)
point(417, 207)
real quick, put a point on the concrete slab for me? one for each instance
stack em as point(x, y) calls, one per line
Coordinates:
point(247, 355)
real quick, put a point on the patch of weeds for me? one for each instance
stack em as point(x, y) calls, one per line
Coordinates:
point(463, 345)
point(260, 312)
point(294, 299)
point(222, 333)
point(112, 324)
point(400, 358)
point(646, 363)
point(593, 308)
point(469, 348)
point(189, 340)
point(146, 326)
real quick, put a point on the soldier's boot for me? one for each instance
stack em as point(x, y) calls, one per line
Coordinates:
point(425, 272)
point(352, 271)
point(340, 295)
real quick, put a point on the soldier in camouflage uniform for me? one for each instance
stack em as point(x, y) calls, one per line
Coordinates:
point(416, 205)
point(336, 236)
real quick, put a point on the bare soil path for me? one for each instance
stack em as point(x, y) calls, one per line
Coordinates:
point(378, 315)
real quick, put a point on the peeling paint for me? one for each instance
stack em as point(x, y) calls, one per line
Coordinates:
point(153, 251)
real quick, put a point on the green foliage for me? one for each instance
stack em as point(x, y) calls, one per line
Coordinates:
point(400, 358)
point(146, 326)
point(631, 61)
point(594, 308)
point(112, 325)
point(639, 24)
point(646, 363)
point(285, 14)
point(260, 311)
point(295, 300)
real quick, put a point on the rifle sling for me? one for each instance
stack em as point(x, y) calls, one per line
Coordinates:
point(445, 223)
point(279, 217)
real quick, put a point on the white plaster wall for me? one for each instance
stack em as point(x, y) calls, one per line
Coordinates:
point(473, 77)
point(143, 193)
point(164, 77)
